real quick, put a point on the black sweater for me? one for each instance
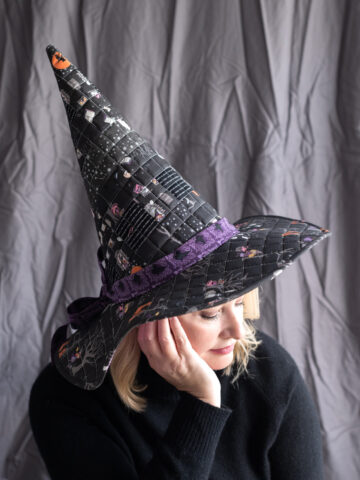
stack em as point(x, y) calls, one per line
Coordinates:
point(267, 427)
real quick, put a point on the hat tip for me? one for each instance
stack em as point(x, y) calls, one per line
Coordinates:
point(59, 62)
point(50, 50)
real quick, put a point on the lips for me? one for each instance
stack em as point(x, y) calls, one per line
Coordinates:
point(224, 350)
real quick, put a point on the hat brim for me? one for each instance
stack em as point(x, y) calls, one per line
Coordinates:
point(263, 247)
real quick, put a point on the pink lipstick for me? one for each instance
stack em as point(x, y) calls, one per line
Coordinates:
point(223, 351)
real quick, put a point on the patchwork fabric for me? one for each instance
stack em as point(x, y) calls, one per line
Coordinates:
point(143, 208)
point(166, 251)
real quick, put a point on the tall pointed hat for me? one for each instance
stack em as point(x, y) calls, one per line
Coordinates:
point(164, 251)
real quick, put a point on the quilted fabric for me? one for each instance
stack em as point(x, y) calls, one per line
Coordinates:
point(263, 247)
point(143, 208)
point(145, 211)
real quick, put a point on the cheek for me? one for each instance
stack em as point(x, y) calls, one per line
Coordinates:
point(201, 336)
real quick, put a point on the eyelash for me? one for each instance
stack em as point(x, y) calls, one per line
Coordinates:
point(214, 317)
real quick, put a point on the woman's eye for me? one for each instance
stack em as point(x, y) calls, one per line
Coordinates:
point(241, 304)
point(210, 317)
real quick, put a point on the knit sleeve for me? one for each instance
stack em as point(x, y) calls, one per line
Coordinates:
point(189, 445)
point(297, 450)
point(73, 446)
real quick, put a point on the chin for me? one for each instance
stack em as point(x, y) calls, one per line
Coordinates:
point(221, 363)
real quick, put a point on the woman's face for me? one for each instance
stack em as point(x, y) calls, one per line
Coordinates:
point(213, 329)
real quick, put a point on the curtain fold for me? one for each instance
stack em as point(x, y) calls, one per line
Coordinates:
point(257, 103)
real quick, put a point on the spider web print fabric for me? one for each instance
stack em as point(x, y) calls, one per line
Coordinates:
point(263, 247)
point(143, 211)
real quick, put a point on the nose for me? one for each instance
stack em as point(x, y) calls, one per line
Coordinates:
point(234, 323)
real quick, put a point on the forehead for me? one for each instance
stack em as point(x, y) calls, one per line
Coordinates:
point(213, 308)
point(225, 304)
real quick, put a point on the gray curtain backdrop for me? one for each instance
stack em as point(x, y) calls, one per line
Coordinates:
point(257, 103)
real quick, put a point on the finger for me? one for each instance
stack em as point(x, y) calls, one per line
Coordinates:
point(181, 339)
point(166, 338)
point(146, 335)
point(150, 342)
point(141, 332)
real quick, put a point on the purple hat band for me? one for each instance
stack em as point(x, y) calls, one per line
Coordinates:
point(82, 310)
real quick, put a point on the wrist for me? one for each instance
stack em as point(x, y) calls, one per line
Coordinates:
point(214, 402)
point(213, 399)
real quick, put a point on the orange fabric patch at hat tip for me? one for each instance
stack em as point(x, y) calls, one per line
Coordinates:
point(59, 61)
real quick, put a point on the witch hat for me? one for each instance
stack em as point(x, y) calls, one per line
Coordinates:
point(164, 251)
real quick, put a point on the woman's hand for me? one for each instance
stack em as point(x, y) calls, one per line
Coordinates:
point(170, 354)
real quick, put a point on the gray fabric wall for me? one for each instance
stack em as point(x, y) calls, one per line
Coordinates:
point(257, 103)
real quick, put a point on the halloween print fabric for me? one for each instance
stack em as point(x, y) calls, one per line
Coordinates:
point(146, 213)
point(262, 249)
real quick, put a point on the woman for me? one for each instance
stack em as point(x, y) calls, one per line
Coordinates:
point(164, 375)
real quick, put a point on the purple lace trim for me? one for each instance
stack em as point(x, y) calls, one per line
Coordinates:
point(83, 309)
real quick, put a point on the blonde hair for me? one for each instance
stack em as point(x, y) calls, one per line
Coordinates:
point(126, 358)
